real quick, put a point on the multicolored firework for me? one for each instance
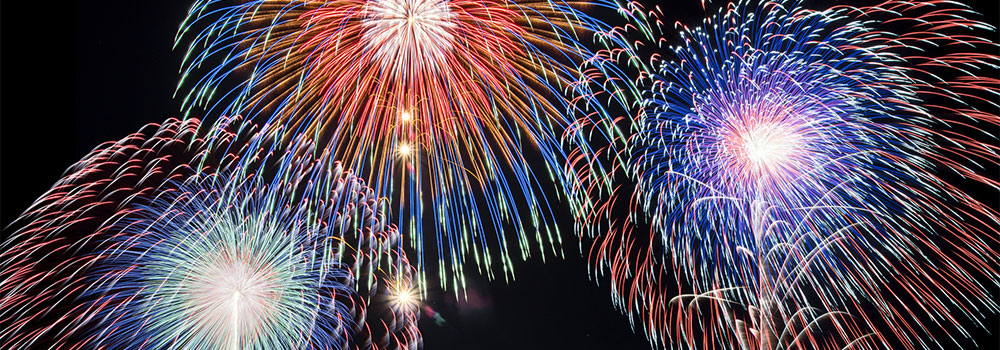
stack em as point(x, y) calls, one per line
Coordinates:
point(457, 105)
point(229, 264)
point(168, 240)
point(801, 171)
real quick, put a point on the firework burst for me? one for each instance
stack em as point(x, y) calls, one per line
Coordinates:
point(452, 104)
point(230, 264)
point(801, 168)
point(161, 240)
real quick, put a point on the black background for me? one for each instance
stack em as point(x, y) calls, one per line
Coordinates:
point(76, 75)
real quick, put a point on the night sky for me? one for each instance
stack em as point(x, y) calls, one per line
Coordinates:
point(77, 75)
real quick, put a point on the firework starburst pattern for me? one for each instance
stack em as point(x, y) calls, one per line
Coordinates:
point(797, 182)
point(774, 175)
point(137, 247)
point(438, 103)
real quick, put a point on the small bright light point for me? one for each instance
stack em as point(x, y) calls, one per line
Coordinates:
point(406, 116)
point(404, 299)
point(405, 149)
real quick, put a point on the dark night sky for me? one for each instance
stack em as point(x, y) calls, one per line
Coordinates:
point(78, 75)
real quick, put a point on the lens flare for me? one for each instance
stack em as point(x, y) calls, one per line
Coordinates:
point(405, 298)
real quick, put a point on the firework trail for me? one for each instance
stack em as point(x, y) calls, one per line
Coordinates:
point(441, 104)
point(161, 241)
point(799, 175)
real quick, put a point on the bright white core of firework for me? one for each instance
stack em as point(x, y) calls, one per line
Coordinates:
point(408, 35)
point(235, 296)
point(762, 149)
point(766, 145)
